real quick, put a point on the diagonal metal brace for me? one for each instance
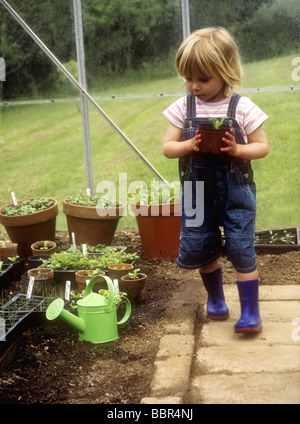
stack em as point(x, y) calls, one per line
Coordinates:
point(80, 88)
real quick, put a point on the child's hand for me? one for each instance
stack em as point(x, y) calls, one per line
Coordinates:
point(195, 141)
point(231, 148)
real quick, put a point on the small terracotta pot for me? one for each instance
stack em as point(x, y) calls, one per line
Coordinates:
point(43, 279)
point(116, 271)
point(8, 250)
point(38, 247)
point(212, 140)
point(81, 277)
point(134, 288)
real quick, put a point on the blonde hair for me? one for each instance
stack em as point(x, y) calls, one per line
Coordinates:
point(208, 51)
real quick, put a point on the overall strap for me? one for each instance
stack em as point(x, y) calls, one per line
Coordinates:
point(233, 105)
point(190, 106)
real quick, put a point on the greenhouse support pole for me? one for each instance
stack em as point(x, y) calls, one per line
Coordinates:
point(185, 14)
point(81, 89)
point(83, 100)
point(186, 26)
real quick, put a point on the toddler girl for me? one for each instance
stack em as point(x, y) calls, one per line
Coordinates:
point(209, 62)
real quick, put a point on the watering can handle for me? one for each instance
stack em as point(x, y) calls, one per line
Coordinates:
point(111, 296)
point(127, 312)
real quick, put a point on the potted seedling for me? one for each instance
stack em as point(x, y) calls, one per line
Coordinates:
point(157, 210)
point(7, 249)
point(43, 280)
point(82, 278)
point(212, 135)
point(43, 247)
point(92, 219)
point(134, 284)
point(29, 220)
point(116, 271)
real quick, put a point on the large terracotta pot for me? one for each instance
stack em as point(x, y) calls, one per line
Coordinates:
point(159, 227)
point(26, 229)
point(90, 227)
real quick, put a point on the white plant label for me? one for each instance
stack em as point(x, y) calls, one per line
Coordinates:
point(14, 199)
point(67, 290)
point(116, 286)
point(30, 287)
point(84, 249)
point(2, 330)
point(73, 240)
point(88, 191)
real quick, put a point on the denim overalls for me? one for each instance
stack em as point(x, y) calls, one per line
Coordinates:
point(228, 201)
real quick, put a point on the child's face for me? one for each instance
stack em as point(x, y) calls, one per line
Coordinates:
point(209, 89)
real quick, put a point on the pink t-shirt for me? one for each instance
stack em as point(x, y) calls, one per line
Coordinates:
point(248, 115)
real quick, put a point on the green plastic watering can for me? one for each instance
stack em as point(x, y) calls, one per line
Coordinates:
point(97, 314)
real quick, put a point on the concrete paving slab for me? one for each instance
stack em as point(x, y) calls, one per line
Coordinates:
point(221, 335)
point(171, 377)
point(172, 365)
point(247, 359)
point(267, 292)
point(249, 388)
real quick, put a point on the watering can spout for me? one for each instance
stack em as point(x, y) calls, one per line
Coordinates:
point(56, 309)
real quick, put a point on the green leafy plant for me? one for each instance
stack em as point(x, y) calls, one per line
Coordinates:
point(115, 266)
point(99, 200)
point(91, 273)
point(155, 193)
point(275, 237)
point(99, 248)
point(102, 292)
point(13, 258)
point(134, 274)
point(67, 260)
point(25, 207)
point(216, 122)
point(45, 246)
point(287, 238)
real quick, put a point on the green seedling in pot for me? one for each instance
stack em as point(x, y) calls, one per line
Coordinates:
point(28, 206)
point(216, 122)
point(14, 258)
point(134, 274)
